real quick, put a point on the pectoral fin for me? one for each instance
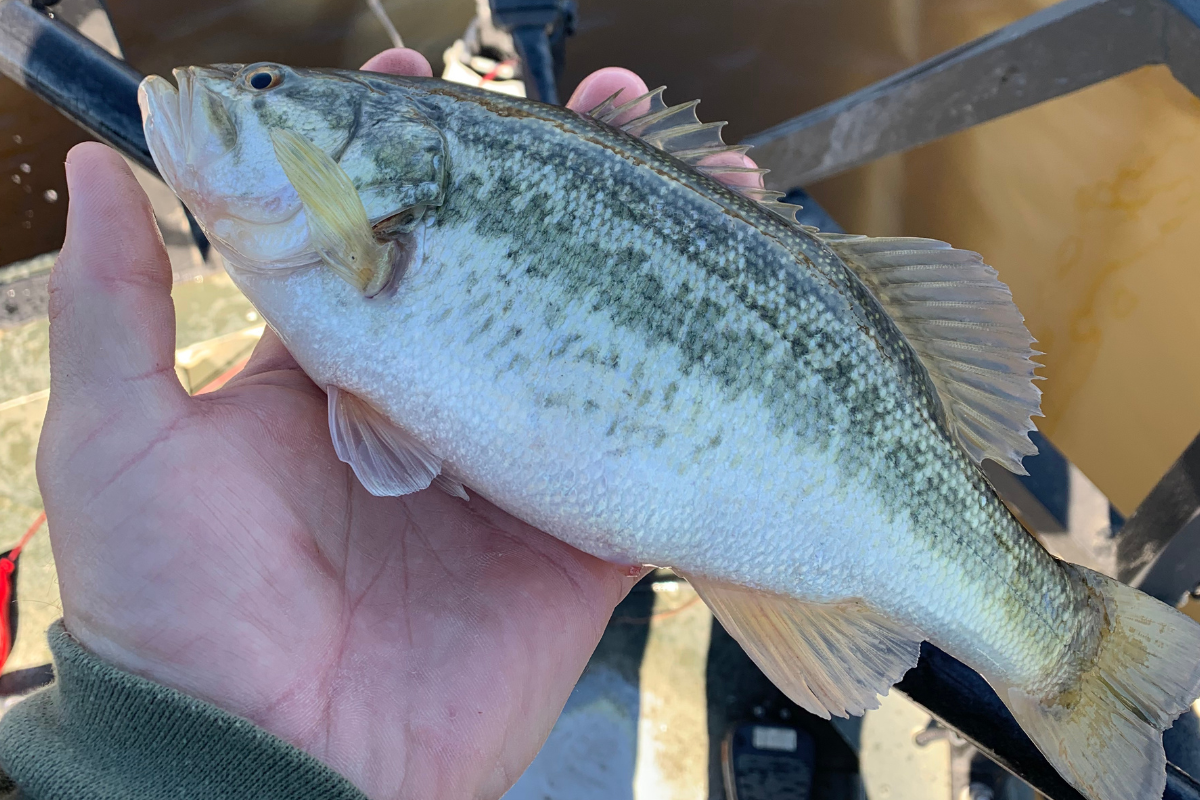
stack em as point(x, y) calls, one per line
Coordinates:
point(451, 486)
point(386, 459)
point(829, 658)
point(338, 227)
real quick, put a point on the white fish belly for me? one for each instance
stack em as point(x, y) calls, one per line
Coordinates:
point(593, 455)
point(607, 442)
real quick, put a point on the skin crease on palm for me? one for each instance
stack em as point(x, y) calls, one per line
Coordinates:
point(420, 646)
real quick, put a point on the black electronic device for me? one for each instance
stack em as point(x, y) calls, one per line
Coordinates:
point(767, 762)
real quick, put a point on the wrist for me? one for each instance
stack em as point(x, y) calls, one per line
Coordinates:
point(119, 734)
point(291, 708)
point(199, 667)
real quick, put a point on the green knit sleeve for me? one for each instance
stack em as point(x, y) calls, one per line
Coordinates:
point(98, 733)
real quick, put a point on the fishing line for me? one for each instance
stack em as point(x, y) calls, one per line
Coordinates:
point(386, 22)
point(655, 616)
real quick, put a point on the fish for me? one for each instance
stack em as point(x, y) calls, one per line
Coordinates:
point(578, 317)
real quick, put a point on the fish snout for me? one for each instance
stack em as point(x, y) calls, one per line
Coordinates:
point(208, 127)
point(158, 100)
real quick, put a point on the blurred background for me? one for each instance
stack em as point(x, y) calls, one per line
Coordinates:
point(1086, 205)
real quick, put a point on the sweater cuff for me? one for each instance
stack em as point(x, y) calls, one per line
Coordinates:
point(99, 732)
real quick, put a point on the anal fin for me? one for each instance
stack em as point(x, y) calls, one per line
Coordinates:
point(387, 460)
point(829, 658)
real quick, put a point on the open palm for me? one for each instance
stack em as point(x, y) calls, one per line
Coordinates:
point(422, 646)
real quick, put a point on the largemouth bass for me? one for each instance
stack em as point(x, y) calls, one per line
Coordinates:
point(571, 316)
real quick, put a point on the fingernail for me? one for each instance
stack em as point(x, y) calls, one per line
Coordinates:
point(69, 168)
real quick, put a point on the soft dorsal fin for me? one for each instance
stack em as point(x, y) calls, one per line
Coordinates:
point(677, 130)
point(962, 322)
point(829, 658)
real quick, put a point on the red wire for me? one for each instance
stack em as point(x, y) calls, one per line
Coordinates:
point(16, 551)
point(7, 565)
point(223, 378)
point(6, 568)
point(491, 76)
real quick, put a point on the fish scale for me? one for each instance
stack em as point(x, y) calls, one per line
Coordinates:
point(612, 345)
point(632, 288)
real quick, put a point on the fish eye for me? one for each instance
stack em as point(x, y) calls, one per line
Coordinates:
point(263, 79)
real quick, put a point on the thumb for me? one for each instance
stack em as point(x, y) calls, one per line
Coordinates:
point(112, 322)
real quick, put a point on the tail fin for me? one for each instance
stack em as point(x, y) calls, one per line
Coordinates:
point(1105, 734)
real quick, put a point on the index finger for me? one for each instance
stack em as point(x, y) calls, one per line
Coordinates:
point(400, 61)
point(603, 84)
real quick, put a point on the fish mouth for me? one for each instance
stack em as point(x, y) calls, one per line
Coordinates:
point(192, 115)
point(159, 102)
point(191, 132)
point(187, 128)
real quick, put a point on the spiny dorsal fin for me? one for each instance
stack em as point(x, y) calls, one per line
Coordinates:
point(678, 131)
point(962, 322)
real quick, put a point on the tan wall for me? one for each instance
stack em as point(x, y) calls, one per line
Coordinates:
point(1089, 207)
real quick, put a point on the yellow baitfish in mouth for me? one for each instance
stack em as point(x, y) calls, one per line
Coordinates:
point(587, 328)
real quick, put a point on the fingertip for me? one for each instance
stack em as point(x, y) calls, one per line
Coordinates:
point(111, 315)
point(400, 61)
point(111, 231)
point(86, 158)
point(735, 179)
point(602, 84)
point(98, 179)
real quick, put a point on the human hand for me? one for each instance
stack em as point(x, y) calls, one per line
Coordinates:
point(421, 646)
